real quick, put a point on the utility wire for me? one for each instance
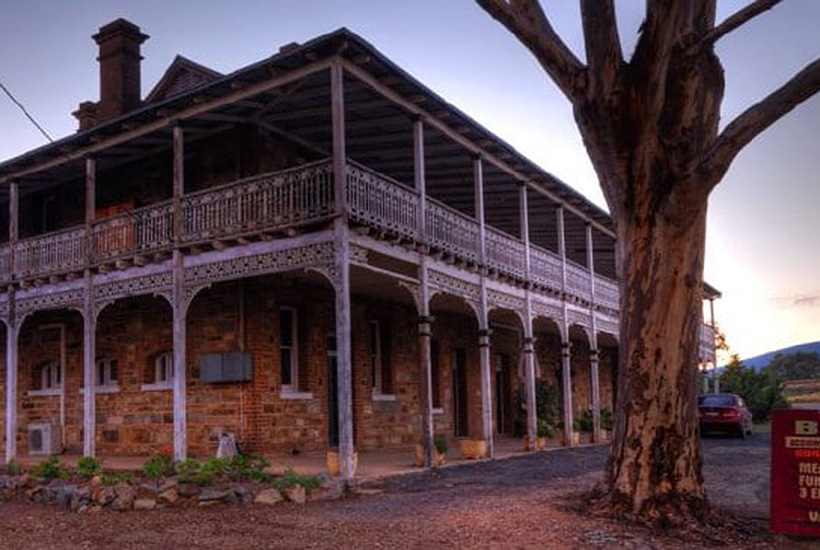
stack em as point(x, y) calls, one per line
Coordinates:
point(31, 118)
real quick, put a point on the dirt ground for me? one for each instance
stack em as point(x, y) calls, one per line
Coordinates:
point(522, 502)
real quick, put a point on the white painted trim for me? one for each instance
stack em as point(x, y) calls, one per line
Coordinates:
point(438, 410)
point(379, 396)
point(51, 392)
point(101, 389)
point(159, 386)
point(290, 395)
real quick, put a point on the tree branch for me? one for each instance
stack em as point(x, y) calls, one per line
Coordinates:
point(603, 46)
point(527, 21)
point(736, 20)
point(757, 118)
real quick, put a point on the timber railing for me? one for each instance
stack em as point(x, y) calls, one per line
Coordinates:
point(299, 196)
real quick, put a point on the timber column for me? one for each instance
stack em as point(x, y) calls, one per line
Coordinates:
point(593, 343)
point(425, 334)
point(89, 316)
point(566, 367)
point(529, 341)
point(483, 314)
point(341, 278)
point(11, 335)
point(179, 305)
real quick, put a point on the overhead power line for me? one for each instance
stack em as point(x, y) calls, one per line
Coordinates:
point(22, 108)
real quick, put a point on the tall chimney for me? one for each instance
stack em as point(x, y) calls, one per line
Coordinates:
point(120, 91)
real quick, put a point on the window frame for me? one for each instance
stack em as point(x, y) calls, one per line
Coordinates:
point(107, 382)
point(162, 383)
point(292, 349)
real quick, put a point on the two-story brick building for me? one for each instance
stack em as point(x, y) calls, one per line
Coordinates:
point(314, 251)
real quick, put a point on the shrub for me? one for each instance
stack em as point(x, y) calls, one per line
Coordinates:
point(543, 428)
point(761, 390)
point(243, 467)
point(159, 465)
point(50, 468)
point(440, 443)
point(13, 468)
point(113, 477)
point(187, 471)
point(88, 466)
point(607, 420)
point(291, 478)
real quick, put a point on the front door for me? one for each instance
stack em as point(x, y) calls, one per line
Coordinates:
point(332, 393)
point(460, 428)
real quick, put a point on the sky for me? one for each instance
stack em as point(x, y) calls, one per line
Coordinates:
point(763, 237)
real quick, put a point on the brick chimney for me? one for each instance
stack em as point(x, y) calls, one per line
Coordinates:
point(119, 58)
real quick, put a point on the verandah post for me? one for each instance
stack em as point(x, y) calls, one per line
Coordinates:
point(89, 315)
point(528, 343)
point(566, 367)
point(11, 334)
point(593, 342)
point(483, 314)
point(179, 304)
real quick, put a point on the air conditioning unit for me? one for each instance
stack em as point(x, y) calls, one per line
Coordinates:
point(44, 439)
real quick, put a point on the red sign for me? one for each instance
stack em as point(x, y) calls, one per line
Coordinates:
point(795, 472)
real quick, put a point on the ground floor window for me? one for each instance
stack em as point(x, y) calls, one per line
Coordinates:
point(107, 373)
point(51, 376)
point(160, 372)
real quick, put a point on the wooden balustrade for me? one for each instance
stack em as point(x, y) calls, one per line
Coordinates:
point(262, 203)
point(289, 198)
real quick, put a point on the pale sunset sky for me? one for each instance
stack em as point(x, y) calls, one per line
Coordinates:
point(763, 243)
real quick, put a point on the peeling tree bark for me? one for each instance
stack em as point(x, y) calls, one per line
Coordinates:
point(650, 126)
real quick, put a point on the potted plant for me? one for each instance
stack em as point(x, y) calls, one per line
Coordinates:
point(439, 452)
point(332, 461)
point(543, 432)
point(472, 448)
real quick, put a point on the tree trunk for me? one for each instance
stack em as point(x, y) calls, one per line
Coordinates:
point(654, 468)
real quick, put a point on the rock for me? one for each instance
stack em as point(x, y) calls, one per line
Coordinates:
point(167, 485)
point(94, 509)
point(213, 494)
point(187, 490)
point(125, 495)
point(147, 491)
point(268, 496)
point(107, 496)
point(95, 488)
point(145, 504)
point(36, 494)
point(296, 493)
point(64, 494)
point(81, 497)
point(83, 509)
point(168, 497)
point(243, 494)
point(330, 489)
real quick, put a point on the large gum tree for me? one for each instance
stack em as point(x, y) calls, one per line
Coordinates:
point(650, 127)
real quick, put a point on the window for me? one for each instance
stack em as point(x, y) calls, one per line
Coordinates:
point(378, 349)
point(288, 349)
point(159, 375)
point(51, 377)
point(107, 374)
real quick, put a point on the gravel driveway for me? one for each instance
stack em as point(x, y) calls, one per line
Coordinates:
point(522, 502)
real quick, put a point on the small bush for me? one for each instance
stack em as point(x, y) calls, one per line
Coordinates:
point(186, 471)
point(159, 465)
point(543, 428)
point(51, 468)
point(440, 443)
point(13, 468)
point(88, 466)
point(291, 478)
point(607, 420)
point(113, 477)
point(244, 467)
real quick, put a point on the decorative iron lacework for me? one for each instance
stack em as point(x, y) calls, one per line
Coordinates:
point(578, 318)
point(506, 301)
point(156, 283)
point(298, 257)
point(72, 299)
point(358, 254)
point(550, 311)
point(452, 285)
point(610, 326)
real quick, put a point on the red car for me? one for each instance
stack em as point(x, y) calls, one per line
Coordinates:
point(724, 412)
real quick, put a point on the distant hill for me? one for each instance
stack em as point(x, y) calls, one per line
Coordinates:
point(760, 361)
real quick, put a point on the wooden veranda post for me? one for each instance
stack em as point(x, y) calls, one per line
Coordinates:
point(11, 334)
point(593, 342)
point(179, 303)
point(566, 366)
point(528, 342)
point(89, 315)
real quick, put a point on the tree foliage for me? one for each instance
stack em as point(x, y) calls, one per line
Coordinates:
point(762, 390)
point(797, 365)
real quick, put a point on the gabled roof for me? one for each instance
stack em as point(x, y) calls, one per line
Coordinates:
point(182, 75)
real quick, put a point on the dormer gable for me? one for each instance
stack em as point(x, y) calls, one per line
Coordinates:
point(180, 76)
